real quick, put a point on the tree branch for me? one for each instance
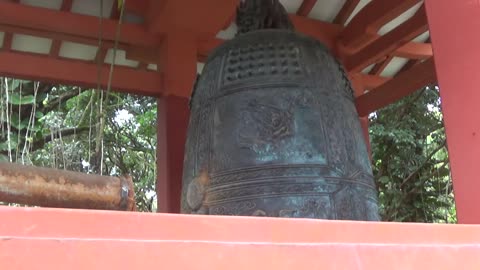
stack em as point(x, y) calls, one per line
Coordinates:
point(65, 132)
point(440, 147)
point(63, 97)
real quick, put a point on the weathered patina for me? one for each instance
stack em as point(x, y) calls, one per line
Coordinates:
point(274, 132)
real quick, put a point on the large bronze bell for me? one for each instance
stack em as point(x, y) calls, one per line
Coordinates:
point(274, 132)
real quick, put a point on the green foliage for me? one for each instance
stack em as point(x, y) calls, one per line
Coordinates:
point(18, 99)
point(411, 160)
point(58, 126)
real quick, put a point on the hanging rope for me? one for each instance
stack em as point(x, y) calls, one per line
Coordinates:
point(110, 76)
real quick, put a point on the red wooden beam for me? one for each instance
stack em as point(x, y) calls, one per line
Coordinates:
point(137, 7)
point(457, 66)
point(7, 41)
point(415, 50)
point(413, 62)
point(327, 33)
point(365, 25)
point(397, 88)
point(86, 31)
point(205, 17)
point(8, 37)
point(388, 43)
point(66, 23)
point(81, 73)
point(172, 123)
point(380, 66)
point(55, 48)
point(58, 36)
point(409, 65)
point(306, 7)
point(346, 11)
point(368, 81)
point(220, 242)
point(142, 66)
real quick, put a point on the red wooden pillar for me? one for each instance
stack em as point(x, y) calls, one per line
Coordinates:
point(178, 64)
point(172, 123)
point(454, 29)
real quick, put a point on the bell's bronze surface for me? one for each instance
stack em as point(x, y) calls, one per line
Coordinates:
point(274, 132)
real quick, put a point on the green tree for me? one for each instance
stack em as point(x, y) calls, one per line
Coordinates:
point(411, 160)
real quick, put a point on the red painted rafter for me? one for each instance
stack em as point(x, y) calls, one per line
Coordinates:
point(369, 81)
point(306, 7)
point(81, 73)
point(415, 50)
point(206, 16)
point(411, 62)
point(402, 85)
point(8, 36)
point(102, 51)
point(132, 35)
point(137, 7)
point(346, 11)
point(388, 43)
point(142, 66)
point(73, 24)
point(364, 26)
point(380, 66)
point(55, 48)
point(37, 67)
point(7, 42)
point(115, 14)
point(72, 36)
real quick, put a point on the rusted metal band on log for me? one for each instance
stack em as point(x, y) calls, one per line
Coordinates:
point(47, 187)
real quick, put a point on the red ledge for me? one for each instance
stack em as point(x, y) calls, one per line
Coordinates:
point(40, 238)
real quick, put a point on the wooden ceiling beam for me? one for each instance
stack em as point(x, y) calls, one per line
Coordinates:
point(388, 43)
point(369, 81)
point(346, 12)
point(67, 23)
point(81, 73)
point(306, 7)
point(412, 62)
point(136, 7)
point(7, 42)
point(203, 17)
point(8, 36)
point(365, 25)
point(402, 85)
point(325, 32)
point(60, 36)
point(380, 66)
point(56, 44)
point(415, 50)
point(84, 29)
